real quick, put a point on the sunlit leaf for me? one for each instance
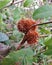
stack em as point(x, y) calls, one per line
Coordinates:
point(28, 3)
point(43, 12)
point(4, 3)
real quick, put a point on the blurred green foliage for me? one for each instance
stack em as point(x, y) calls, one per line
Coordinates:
point(8, 30)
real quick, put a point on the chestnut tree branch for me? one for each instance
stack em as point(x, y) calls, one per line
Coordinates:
point(40, 24)
point(24, 39)
point(13, 3)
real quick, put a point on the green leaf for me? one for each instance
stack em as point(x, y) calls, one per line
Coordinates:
point(43, 30)
point(2, 26)
point(28, 3)
point(23, 56)
point(7, 42)
point(17, 14)
point(48, 43)
point(4, 3)
point(0, 17)
point(43, 12)
point(18, 35)
point(3, 37)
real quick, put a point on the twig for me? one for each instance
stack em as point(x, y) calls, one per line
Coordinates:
point(13, 3)
point(41, 36)
point(49, 61)
point(40, 24)
point(10, 4)
point(46, 35)
point(9, 32)
point(35, 63)
point(17, 2)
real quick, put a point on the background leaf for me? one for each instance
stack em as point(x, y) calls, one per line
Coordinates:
point(17, 13)
point(3, 37)
point(0, 17)
point(44, 31)
point(4, 3)
point(18, 35)
point(48, 43)
point(19, 56)
point(43, 12)
point(28, 3)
